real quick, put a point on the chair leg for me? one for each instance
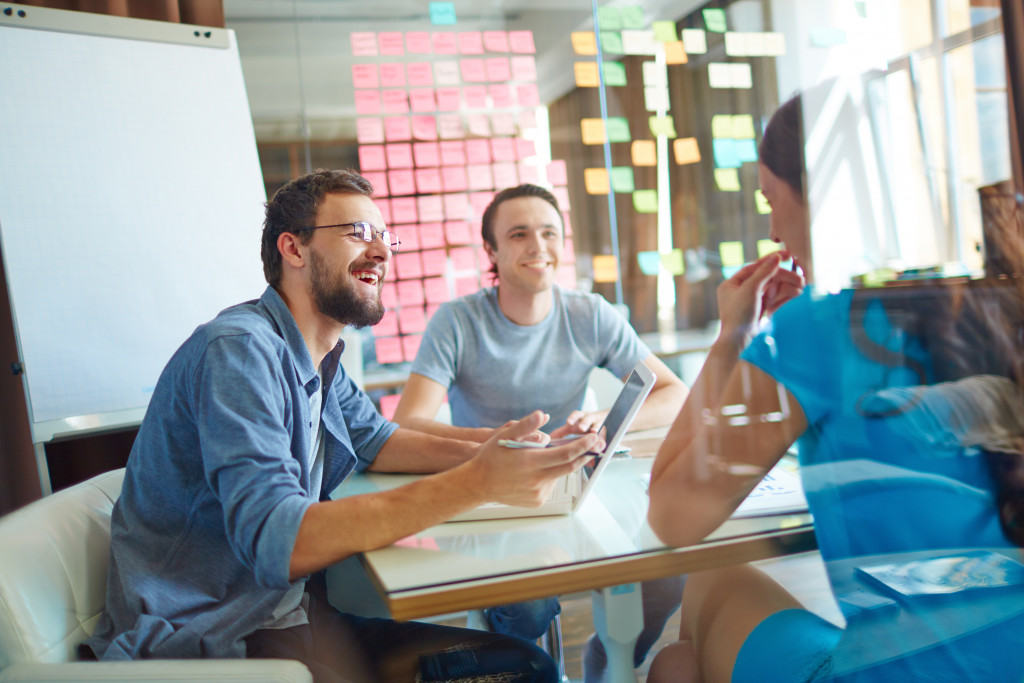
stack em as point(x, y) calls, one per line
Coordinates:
point(552, 644)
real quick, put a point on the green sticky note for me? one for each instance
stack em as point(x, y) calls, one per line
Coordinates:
point(611, 42)
point(609, 19)
point(442, 13)
point(614, 74)
point(714, 20)
point(673, 262)
point(649, 261)
point(721, 126)
point(662, 125)
point(727, 179)
point(765, 247)
point(645, 201)
point(622, 179)
point(617, 129)
point(743, 127)
point(746, 150)
point(632, 17)
point(731, 253)
point(761, 202)
point(664, 31)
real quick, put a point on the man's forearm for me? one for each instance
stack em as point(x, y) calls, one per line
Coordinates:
point(428, 426)
point(412, 451)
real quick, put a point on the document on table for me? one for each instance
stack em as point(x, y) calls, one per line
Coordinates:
point(779, 493)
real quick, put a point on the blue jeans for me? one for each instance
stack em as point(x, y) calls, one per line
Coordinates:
point(528, 620)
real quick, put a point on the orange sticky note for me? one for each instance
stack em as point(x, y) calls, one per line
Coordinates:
point(593, 131)
point(586, 75)
point(584, 42)
point(686, 150)
point(606, 268)
point(644, 153)
point(675, 53)
point(596, 180)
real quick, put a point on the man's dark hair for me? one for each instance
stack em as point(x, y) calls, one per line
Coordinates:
point(524, 190)
point(295, 206)
point(782, 147)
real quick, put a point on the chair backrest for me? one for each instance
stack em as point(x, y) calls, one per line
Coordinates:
point(53, 571)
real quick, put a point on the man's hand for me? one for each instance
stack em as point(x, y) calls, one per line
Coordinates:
point(536, 436)
point(580, 422)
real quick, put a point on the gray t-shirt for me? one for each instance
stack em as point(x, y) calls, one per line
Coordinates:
point(496, 370)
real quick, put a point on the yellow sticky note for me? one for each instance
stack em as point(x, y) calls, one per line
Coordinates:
point(593, 131)
point(743, 127)
point(675, 53)
point(721, 126)
point(662, 125)
point(644, 153)
point(586, 74)
point(731, 253)
point(686, 151)
point(584, 42)
point(606, 268)
point(664, 31)
point(761, 202)
point(727, 179)
point(645, 201)
point(596, 180)
point(767, 247)
point(673, 262)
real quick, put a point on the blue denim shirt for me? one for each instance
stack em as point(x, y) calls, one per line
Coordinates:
point(217, 484)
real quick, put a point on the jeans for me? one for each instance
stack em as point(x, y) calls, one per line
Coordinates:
point(528, 620)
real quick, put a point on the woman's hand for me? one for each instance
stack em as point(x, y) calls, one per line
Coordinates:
point(756, 289)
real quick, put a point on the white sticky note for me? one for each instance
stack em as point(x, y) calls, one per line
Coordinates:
point(719, 75)
point(695, 41)
point(741, 76)
point(655, 74)
point(656, 98)
point(639, 43)
point(755, 44)
point(774, 44)
point(447, 73)
point(736, 44)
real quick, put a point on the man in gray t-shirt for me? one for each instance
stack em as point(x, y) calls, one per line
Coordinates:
point(528, 344)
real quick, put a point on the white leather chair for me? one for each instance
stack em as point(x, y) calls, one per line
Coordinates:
point(53, 579)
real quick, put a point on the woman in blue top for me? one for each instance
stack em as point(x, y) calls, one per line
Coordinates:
point(908, 410)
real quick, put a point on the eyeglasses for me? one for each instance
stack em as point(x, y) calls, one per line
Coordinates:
point(364, 231)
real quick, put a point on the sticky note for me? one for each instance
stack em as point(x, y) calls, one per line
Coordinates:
point(449, 99)
point(430, 207)
point(714, 20)
point(403, 210)
point(463, 259)
point(496, 41)
point(453, 153)
point(557, 173)
point(719, 75)
point(391, 43)
point(529, 173)
point(527, 119)
point(656, 98)
point(731, 253)
point(675, 53)
point(450, 126)
point(466, 285)
point(649, 262)
point(503, 123)
point(473, 70)
point(367, 101)
point(422, 100)
point(686, 151)
point(395, 101)
point(442, 13)
point(479, 124)
point(617, 129)
point(410, 293)
point(505, 175)
point(746, 151)
point(736, 44)
point(444, 43)
point(664, 31)
point(673, 262)
point(645, 201)
point(586, 77)
point(654, 74)
point(392, 75)
point(754, 44)
point(369, 130)
point(727, 179)
point(431, 235)
point(695, 40)
point(365, 76)
point(410, 345)
point(399, 155)
point(426, 154)
point(724, 150)
point(741, 76)
point(609, 19)
point(584, 42)
point(385, 210)
point(592, 131)
point(632, 16)
point(524, 68)
point(662, 125)
point(743, 127)
point(521, 42)
point(435, 262)
point(765, 247)
point(479, 202)
point(644, 153)
point(480, 177)
point(456, 206)
point(407, 265)
point(611, 42)
point(446, 72)
point(388, 349)
point(458, 232)
point(435, 290)
point(721, 126)
point(475, 96)
point(525, 148)
point(503, 149)
point(397, 128)
point(606, 268)
point(761, 203)
point(478, 151)
point(379, 180)
point(364, 43)
point(429, 180)
point(417, 42)
point(470, 42)
point(388, 325)
point(371, 158)
point(412, 319)
point(622, 179)
point(774, 44)
point(454, 178)
point(595, 180)
point(614, 74)
point(566, 224)
point(527, 95)
point(420, 74)
point(639, 43)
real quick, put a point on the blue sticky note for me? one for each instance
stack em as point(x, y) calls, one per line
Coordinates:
point(649, 262)
point(729, 271)
point(442, 13)
point(725, 153)
point(746, 150)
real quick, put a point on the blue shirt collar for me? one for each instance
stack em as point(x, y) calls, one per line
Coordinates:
point(282, 318)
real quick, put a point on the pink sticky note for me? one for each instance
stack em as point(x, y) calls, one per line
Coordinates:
point(496, 41)
point(501, 96)
point(453, 153)
point(524, 69)
point(562, 195)
point(367, 101)
point(392, 75)
point(431, 235)
point(384, 205)
point(388, 294)
point(527, 119)
point(430, 207)
point(473, 70)
point(521, 41)
point(365, 76)
point(503, 149)
point(525, 148)
point(480, 177)
point(424, 127)
point(389, 350)
point(457, 232)
point(466, 285)
point(388, 325)
point(399, 155)
point(408, 235)
point(479, 124)
point(435, 262)
point(401, 182)
point(450, 126)
point(527, 95)
point(566, 224)
point(475, 96)
point(478, 151)
point(410, 293)
point(388, 405)
point(422, 100)
point(364, 44)
point(403, 210)
point(397, 128)
point(557, 174)
point(463, 259)
point(568, 253)
point(428, 180)
point(528, 173)
point(504, 123)
point(379, 180)
point(471, 43)
point(407, 265)
point(448, 99)
point(420, 74)
point(444, 43)
point(412, 319)
point(480, 201)
point(566, 277)
point(426, 154)
point(391, 43)
point(435, 290)
point(410, 345)
point(369, 130)
point(371, 158)
point(498, 69)
point(395, 101)
point(417, 42)
point(456, 205)
point(505, 175)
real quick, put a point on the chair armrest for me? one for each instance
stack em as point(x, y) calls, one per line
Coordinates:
point(162, 671)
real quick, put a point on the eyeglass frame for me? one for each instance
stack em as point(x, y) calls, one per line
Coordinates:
point(364, 230)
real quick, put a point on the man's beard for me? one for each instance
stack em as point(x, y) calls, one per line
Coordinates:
point(339, 300)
